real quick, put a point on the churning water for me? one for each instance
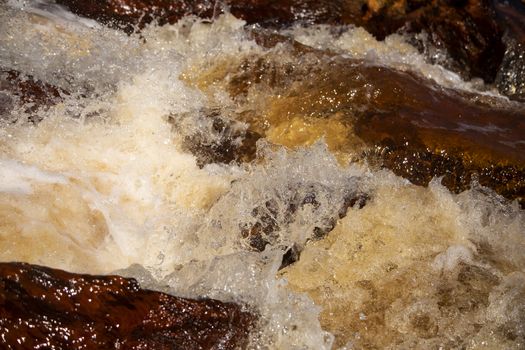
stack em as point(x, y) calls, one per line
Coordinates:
point(109, 181)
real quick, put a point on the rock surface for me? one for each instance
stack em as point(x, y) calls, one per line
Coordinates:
point(511, 76)
point(42, 307)
point(411, 125)
point(467, 31)
point(17, 89)
point(219, 140)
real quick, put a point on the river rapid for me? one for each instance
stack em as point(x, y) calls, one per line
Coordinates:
point(121, 176)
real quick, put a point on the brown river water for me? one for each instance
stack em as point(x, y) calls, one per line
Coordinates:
point(195, 156)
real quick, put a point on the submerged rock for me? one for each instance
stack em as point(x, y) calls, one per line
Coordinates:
point(396, 119)
point(17, 89)
point(218, 139)
point(264, 228)
point(44, 307)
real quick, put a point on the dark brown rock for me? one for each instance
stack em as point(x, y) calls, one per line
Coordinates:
point(219, 139)
point(511, 76)
point(467, 30)
point(23, 90)
point(129, 14)
point(125, 13)
point(411, 125)
point(267, 223)
point(424, 131)
point(445, 134)
point(42, 307)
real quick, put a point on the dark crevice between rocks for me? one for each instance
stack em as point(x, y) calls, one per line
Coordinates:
point(44, 307)
point(291, 255)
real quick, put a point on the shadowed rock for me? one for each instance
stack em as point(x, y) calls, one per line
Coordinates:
point(266, 226)
point(467, 30)
point(511, 76)
point(44, 307)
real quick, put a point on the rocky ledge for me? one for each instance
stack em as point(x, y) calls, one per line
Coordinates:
point(41, 307)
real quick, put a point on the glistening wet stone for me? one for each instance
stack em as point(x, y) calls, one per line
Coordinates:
point(408, 123)
point(43, 307)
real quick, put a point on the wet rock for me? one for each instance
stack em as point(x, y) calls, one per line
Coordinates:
point(511, 76)
point(130, 15)
point(357, 200)
point(467, 30)
point(218, 139)
point(446, 135)
point(126, 14)
point(267, 224)
point(44, 307)
point(408, 124)
point(431, 134)
point(17, 89)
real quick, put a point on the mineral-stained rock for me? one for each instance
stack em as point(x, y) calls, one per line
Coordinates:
point(45, 308)
point(19, 89)
point(413, 126)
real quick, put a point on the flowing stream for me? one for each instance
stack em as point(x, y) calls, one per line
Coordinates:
point(110, 181)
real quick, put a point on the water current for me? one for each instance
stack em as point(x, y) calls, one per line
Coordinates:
point(127, 174)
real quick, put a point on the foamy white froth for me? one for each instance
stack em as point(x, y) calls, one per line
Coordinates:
point(102, 183)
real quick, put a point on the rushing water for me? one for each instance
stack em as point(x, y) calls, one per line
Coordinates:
point(107, 182)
